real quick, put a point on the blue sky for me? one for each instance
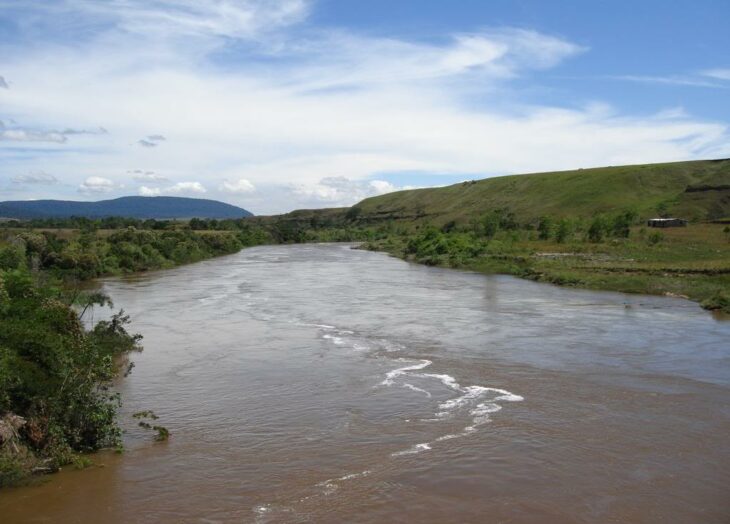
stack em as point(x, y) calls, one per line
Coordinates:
point(283, 104)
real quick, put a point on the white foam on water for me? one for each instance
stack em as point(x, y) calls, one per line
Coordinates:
point(390, 376)
point(339, 341)
point(479, 402)
point(415, 388)
point(213, 298)
point(446, 380)
point(466, 431)
point(449, 437)
point(356, 475)
point(262, 509)
point(417, 448)
point(341, 337)
point(469, 394)
point(261, 513)
point(390, 346)
point(329, 486)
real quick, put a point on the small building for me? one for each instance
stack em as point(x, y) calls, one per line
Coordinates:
point(666, 222)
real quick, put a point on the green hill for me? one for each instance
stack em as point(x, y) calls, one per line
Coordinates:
point(698, 190)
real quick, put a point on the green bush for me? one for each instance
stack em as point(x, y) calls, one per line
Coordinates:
point(545, 228)
point(55, 374)
point(719, 301)
point(654, 238)
point(597, 229)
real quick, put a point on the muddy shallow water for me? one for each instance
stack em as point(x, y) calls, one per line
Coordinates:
point(320, 384)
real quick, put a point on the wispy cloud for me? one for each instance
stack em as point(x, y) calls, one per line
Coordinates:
point(220, 18)
point(16, 133)
point(186, 187)
point(151, 141)
point(346, 60)
point(693, 81)
point(720, 74)
point(36, 177)
point(342, 191)
point(190, 188)
point(149, 191)
point(148, 176)
point(238, 186)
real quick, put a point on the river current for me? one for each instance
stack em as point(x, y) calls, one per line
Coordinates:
point(318, 383)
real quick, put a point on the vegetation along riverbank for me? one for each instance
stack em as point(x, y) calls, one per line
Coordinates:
point(584, 228)
point(56, 400)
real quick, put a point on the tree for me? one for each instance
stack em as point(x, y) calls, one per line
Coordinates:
point(353, 213)
point(544, 227)
point(563, 231)
point(490, 225)
point(597, 229)
point(621, 224)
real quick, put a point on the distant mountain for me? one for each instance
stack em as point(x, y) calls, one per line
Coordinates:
point(131, 206)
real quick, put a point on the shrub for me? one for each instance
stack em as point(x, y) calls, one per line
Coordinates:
point(719, 301)
point(545, 228)
point(563, 231)
point(654, 238)
point(597, 229)
point(56, 375)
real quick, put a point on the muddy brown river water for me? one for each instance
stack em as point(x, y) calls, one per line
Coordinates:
point(318, 383)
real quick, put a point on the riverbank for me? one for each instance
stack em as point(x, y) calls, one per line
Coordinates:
point(691, 262)
point(56, 372)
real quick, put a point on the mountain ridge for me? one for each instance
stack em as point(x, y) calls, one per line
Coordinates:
point(159, 207)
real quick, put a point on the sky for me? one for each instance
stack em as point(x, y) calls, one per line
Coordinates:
point(276, 105)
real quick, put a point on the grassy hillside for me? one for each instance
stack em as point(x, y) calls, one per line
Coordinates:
point(698, 190)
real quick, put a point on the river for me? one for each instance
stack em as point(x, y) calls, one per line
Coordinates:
point(317, 383)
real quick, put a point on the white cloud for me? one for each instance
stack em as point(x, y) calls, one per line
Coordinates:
point(97, 184)
point(36, 177)
point(345, 60)
point(339, 191)
point(149, 177)
point(171, 18)
point(151, 140)
point(720, 74)
point(149, 191)
point(186, 187)
point(180, 187)
point(22, 135)
point(16, 133)
point(381, 187)
point(238, 186)
point(668, 80)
